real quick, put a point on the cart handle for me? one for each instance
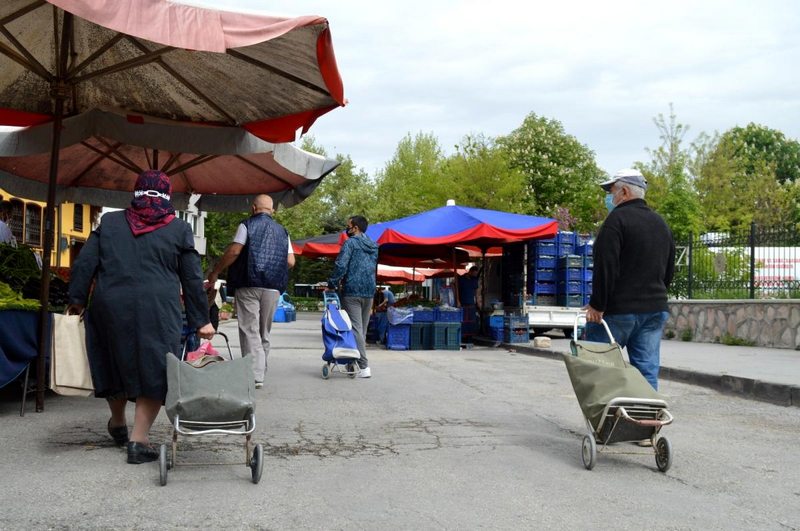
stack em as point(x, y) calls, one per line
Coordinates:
point(582, 315)
point(645, 422)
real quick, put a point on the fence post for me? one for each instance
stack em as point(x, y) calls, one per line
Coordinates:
point(689, 267)
point(752, 260)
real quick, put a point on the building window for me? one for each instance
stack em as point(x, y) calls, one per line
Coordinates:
point(77, 218)
point(33, 225)
point(17, 218)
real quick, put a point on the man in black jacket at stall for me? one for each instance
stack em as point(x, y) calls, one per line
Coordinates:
point(634, 260)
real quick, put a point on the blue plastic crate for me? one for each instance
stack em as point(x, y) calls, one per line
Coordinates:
point(570, 273)
point(588, 262)
point(585, 249)
point(572, 260)
point(426, 315)
point(582, 239)
point(565, 248)
point(545, 262)
point(543, 300)
point(398, 337)
point(548, 288)
point(544, 248)
point(587, 275)
point(570, 287)
point(497, 333)
point(515, 321)
point(570, 300)
point(420, 336)
point(564, 236)
point(447, 315)
point(587, 288)
point(516, 335)
point(446, 336)
point(494, 321)
point(544, 275)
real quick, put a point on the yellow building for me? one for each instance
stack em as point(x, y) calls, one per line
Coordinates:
point(73, 224)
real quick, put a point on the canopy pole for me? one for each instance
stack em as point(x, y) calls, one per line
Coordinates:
point(59, 93)
point(455, 280)
point(483, 290)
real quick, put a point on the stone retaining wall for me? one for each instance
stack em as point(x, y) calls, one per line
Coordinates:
point(765, 323)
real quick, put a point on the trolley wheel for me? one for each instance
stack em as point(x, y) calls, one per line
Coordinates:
point(326, 371)
point(162, 464)
point(351, 370)
point(257, 463)
point(589, 451)
point(663, 454)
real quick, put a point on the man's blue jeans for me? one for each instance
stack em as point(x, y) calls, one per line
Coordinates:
point(640, 333)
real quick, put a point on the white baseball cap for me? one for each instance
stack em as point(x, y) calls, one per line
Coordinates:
point(627, 176)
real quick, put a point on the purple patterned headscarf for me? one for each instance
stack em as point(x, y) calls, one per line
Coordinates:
point(151, 207)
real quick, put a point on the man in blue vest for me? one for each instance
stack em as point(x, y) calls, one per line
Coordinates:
point(260, 257)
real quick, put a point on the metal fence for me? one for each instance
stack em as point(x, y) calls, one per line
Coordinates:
point(759, 263)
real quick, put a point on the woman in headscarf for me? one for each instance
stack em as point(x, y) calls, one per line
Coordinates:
point(140, 259)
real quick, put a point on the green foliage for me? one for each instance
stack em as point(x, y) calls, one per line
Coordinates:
point(728, 339)
point(559, 171)
point(479, 175)
point(669, 189)
point(686, 335)
point(306, 304)
point(717, 273)
point(412, 181)
point(18, 266)
point(740, 180)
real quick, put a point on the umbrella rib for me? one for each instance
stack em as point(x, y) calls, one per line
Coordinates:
point(113, 154)
point(97, 53)
point(200, 159)
point(31, 64)
point(264, 170)
point(278, 71)
point(211, 103)
point(172, 158)
point(125, 65)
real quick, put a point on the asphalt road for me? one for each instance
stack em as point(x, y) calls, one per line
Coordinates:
point(473, 439)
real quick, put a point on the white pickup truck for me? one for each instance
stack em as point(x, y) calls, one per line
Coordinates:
point(544, 318)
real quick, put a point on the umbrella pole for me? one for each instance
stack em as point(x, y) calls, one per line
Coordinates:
point(59, 91)
point(455, 279)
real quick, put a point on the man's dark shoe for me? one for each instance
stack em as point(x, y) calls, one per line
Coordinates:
point(119, 434)
point(139, 453)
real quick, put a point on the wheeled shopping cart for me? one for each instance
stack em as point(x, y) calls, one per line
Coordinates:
point(338, 339)
point(618, 403)
point(216, 398)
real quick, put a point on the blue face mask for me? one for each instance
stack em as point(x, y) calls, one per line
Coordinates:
point(610, 202)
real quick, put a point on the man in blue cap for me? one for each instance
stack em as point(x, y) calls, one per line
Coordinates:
point(634, 260)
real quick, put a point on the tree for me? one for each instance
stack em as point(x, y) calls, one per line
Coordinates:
point(738, 183)
point(559, 171)
point(669, 182)
point(411, 182)
point(755, 145)
point(479, 175)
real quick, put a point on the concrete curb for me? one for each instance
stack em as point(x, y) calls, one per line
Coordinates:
point(748, 388)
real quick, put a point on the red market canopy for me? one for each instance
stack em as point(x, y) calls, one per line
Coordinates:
point(454, 225)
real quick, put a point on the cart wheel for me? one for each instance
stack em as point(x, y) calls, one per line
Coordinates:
point(663, 454)
point(589, 451)
point(351, 370)
point(325, 372)
point(162, 464)
point(257, 463)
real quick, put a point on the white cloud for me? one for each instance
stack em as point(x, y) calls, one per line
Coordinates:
point(604, 69)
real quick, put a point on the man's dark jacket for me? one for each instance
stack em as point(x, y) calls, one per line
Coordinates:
point(634, 260)
point(263, 260)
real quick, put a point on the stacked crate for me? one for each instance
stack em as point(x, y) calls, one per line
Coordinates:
point(421, 333)
point(542, 272)
point(447, 328)
point(570, 281)
point(494, 324)
point(515, 329)
point(584, 250)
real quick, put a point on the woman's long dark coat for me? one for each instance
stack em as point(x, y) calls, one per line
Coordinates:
point(135, 317)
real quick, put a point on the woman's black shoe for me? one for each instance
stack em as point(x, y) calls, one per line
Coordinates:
point(139, 453)
point(119, 434)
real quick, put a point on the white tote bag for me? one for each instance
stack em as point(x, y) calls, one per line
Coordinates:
point(69, 363)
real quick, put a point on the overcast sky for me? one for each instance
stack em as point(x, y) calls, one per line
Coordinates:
point(603, 69)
